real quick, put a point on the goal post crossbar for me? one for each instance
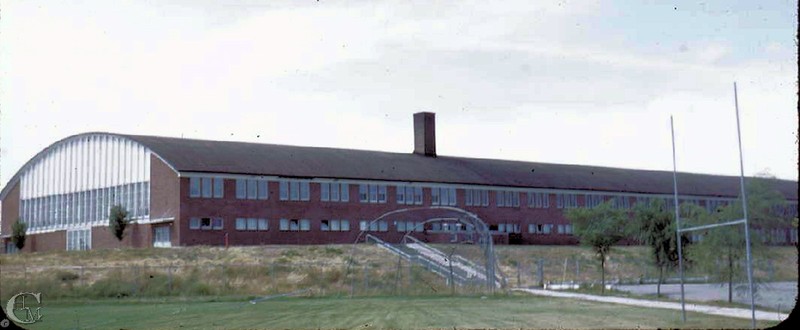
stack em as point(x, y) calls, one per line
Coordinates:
point(714, 225)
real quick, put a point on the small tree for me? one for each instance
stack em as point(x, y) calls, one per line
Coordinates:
point(18, 232)
point(727, 244)
point(656, 229)
point(601, 228)
point(118, 220)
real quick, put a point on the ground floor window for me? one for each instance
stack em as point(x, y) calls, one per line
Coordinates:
point(11, 248)
point(161, 236)
point(79, 239)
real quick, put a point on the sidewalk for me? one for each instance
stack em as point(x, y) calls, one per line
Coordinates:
point(713, 310)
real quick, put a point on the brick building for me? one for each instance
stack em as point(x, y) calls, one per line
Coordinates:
point(186, 192)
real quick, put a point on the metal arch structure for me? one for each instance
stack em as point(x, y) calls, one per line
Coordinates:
point(433, 214)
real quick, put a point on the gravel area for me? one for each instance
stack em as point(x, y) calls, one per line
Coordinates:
point(775, 295)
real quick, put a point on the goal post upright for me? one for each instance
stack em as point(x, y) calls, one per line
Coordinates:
point(743, 221)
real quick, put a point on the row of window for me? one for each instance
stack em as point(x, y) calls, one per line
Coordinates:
point(79, 239)
point(372, 193)
point(334, 192)
point(297, 190)
point(84, 207)
point(206, 187)
point(261, 224)
point(409, 195)
point(443, 196)
point(507, 199)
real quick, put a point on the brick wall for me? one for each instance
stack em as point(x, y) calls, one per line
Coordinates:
point(229, 208)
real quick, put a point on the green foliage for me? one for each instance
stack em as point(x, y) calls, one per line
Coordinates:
point(117, 221)
point(656, 228)
point(722, 250)
point(18, 232)
point(600, 228)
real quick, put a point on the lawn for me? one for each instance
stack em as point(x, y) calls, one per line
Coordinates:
point(515, 311)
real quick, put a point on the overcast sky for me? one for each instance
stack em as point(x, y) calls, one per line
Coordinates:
point(558, 82)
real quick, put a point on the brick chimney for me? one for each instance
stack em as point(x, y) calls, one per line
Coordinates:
point(425, 134)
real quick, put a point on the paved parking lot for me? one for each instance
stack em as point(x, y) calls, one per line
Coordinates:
point(776, 295)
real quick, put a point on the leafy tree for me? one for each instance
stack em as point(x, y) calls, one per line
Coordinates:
point(118, 220)
point(655, 225)
point(726, 245)
point(18, 232)
point(601, 228)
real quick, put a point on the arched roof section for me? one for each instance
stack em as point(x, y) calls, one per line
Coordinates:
point(92, 136)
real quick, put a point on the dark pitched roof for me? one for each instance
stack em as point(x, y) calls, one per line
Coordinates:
point(188, 155)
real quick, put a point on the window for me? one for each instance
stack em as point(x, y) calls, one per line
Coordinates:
point(592, 201)
point(219, 187)
point(206, 185)
point(194, 223)
point(263, 189)
point(305, 225)
point(324, 225)
point(443, 196)
point(507, 198)
point(400, 225)
point(252, 224)
point(540, 228)
point(252, 189)
point(205, 223)
point(284, 190)
point(216, 223)
point(409, 195)
point(241, 188)
point(334, 192)
point(372, 193)
point(305, 191)
point(344, 225)
point(80, 239)
point(295, 190)
point(566, 201)
point(161, 236)
point(538, 200)
point(283, 225)
point(362, 193)
point(380, 225)
point(194, 187)
point(476, 197)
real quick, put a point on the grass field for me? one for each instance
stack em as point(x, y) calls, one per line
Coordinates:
point(517, 311)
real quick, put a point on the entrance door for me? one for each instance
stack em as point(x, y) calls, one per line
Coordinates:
point(161, 236)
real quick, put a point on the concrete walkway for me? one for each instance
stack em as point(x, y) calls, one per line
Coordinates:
point(713, 310)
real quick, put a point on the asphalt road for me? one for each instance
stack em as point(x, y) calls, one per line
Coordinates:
point(776, 295)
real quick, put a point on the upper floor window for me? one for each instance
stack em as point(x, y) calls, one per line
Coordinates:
point(620, 202)
point(334, 192)
point(206, 187)
point(476, 197)
point(372, 193)
point(566, 201)
point(409, 195)
point(507, 198)
point(251, 189)
point(592, 201)
point(443, 196)
point(538, 200)
point(294, 190)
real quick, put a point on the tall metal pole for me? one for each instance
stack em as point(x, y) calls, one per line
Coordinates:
point(744, 210)
point(677, 218)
